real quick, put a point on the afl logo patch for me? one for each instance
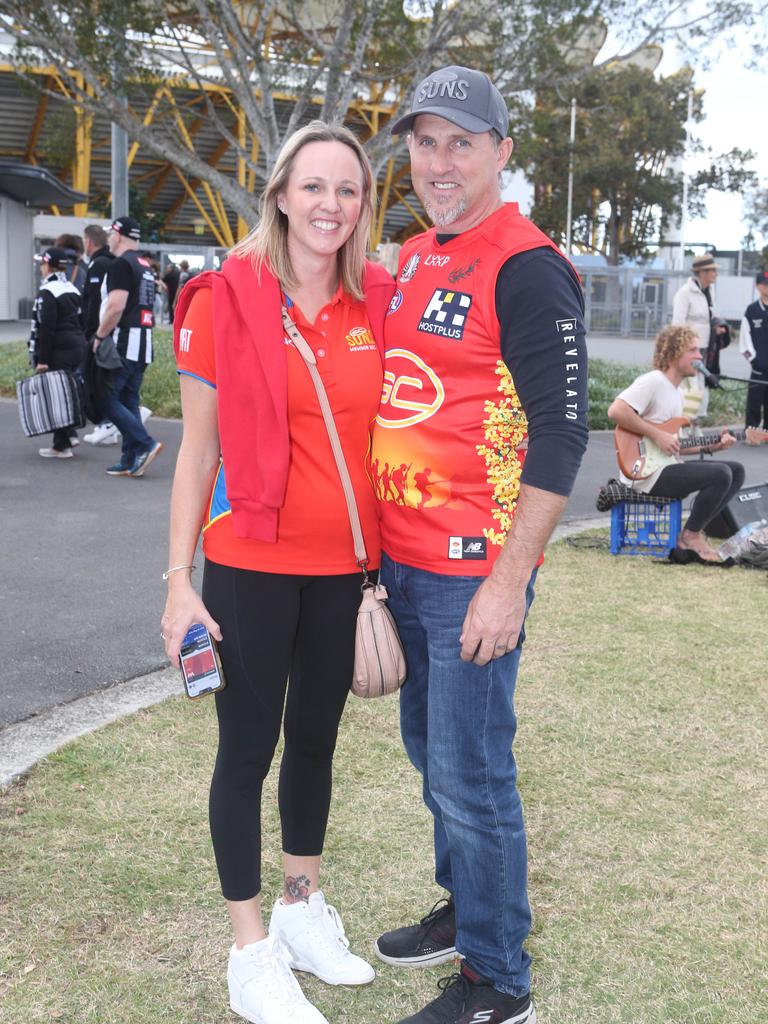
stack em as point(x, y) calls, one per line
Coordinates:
point(410, 268)
point(395, 302)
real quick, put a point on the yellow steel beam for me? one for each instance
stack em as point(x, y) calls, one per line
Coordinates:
point(201, 209)
point(214, 159)
point(148, 119)
point(162, 177)
point(221, 215)
point(411, 209)
point(225, 230)
point(242, 227)
point(81, 169)
point(34, 132)
point(362, 107)
point(377, 229)
point(255, 146)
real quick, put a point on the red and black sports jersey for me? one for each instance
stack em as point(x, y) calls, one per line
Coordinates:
point(452, 430)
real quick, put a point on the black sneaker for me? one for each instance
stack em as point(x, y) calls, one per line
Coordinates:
point(431, 941)
point(468, 998)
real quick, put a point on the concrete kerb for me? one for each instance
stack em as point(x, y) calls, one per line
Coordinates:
point(25, 743)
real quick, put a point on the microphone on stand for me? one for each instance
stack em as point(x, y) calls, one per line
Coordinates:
point(712, 378)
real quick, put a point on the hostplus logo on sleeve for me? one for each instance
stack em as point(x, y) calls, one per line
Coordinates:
point(446, 314)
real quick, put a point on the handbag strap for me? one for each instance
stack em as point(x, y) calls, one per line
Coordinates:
point(306, 353)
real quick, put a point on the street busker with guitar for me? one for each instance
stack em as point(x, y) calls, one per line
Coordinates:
point(641, 409)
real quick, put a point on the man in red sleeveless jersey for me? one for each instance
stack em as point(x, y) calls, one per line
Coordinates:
point(484, 402)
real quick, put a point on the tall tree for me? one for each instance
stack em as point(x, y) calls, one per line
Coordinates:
point(757, 209)
point(630, 137)
point(283, 61)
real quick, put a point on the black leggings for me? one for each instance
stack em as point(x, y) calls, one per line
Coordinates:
point(716, 482)
point(274, 625)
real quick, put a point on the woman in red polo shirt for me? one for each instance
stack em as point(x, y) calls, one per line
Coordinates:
point(281, 585)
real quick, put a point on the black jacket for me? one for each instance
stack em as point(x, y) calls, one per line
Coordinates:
point(97, 269)
point(57, 338)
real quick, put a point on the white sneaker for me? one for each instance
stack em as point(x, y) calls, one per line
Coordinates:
point(262, 988)
point(54, 453)
point(314, 936)
point(104, 433)
point(145, 413)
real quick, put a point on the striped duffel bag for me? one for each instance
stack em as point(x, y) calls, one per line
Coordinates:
point(48, 401)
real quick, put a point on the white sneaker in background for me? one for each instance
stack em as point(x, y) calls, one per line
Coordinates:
point(145, 413)
point(104, 433)
point(314, 936)
point(262, 988)
point(54, 453)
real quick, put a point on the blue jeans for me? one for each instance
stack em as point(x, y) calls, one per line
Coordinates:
point(458, 722)
point(122, 408)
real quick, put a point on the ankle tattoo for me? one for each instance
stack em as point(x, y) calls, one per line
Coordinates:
point(296, 889)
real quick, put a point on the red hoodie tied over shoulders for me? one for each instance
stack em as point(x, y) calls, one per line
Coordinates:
point(252, 382)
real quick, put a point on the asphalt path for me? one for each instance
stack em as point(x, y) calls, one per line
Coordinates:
point(83, 553)
point(82, 557)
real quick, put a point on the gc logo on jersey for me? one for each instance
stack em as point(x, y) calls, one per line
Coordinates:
point(446, 314)
point(411, 392)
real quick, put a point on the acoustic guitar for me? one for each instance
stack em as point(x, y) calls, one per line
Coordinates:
point(639, 457)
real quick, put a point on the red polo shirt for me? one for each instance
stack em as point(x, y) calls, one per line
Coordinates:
point(314, 535)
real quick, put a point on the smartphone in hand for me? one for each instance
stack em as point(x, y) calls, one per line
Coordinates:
point(200, 663)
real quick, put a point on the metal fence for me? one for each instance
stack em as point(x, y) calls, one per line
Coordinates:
point(629, 301)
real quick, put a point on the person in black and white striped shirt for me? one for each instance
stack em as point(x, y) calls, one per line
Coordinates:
point(128, 295)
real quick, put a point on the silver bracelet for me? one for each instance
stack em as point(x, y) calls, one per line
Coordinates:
point(176, 568)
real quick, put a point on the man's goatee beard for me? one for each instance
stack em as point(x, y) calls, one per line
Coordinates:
point(442, 217)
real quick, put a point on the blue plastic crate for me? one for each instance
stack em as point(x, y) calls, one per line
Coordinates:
point(644, 528)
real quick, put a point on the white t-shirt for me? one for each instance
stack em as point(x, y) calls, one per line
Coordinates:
point(654, 397)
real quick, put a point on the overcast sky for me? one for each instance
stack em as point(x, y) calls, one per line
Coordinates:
point(734, 102)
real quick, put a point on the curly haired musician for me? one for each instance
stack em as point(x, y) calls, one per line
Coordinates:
point(655, 398)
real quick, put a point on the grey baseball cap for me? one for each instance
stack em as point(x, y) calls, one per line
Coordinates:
point(462, 96)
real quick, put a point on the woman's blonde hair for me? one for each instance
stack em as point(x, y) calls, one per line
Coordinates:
point(267, 243)
point(671, 342)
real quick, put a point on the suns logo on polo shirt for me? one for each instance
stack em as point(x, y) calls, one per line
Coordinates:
point(360, 339)
point(446, 314)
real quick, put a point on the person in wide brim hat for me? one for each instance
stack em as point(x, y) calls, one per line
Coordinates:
point(705, 262)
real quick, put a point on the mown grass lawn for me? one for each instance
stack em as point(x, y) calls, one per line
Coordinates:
point(643, 705)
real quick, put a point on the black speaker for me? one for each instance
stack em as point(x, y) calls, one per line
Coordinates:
point(747, 505)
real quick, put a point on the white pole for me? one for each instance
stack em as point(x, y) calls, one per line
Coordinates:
point(684, 211)
point(119, 176)
point(569, 213)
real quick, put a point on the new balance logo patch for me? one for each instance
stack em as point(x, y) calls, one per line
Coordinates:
point(473, 548)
